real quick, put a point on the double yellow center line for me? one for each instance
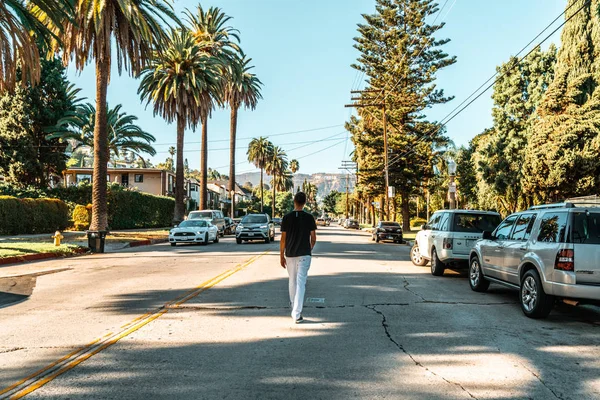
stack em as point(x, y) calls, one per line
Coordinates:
point(71, 360)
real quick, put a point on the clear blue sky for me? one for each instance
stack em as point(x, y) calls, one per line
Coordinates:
point(303, 50)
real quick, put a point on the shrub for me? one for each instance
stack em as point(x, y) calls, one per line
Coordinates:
point(23, 216)
point(131, 210)
point(81, 218)
point(417, 222)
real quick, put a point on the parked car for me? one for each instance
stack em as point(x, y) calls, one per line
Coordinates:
point(277, 221)
point(548, 252)
point(214, 216)
point(194, 231)
point(447, 239)
point(229, 226)
point(322, 222)
point(388, 231)
point(351, 224)
point(255, 227)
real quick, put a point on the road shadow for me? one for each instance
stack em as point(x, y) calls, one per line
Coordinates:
point(15, 290)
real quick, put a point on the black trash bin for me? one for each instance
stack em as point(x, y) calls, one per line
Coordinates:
point(96, 241)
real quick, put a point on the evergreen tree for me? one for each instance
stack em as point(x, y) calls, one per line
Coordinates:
point(517, 93)
point(399, 52)
point(27, 157)
point(562, 153)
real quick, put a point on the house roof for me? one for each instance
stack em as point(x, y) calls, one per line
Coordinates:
point(112, 169)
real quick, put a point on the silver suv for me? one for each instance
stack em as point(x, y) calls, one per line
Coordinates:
point(448, 237)
point(255, 227)
point(547, 252)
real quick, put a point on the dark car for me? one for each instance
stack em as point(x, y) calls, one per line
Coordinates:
point(351, 224)
point(388, 231)
point(229, 226)
point(277, 221)
point(255, 227)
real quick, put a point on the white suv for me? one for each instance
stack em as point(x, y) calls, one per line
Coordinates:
point(448, 237)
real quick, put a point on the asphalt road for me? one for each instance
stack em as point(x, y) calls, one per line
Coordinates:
point(212, 322)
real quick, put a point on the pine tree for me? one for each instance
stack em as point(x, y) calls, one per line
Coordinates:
point(562, 153)
point(399, 52)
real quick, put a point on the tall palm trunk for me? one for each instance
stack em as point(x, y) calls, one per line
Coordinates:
point(274, 192)
point(232, 135)
point(204, 165)
point(261, 191)
point(179, 173)
point(99, 185)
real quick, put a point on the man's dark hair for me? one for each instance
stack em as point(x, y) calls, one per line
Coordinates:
point(300, 198)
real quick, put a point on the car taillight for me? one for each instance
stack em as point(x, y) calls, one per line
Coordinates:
point(565, 260)
point(447, 243)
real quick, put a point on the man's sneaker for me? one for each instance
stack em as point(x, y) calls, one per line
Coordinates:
point(299, 320)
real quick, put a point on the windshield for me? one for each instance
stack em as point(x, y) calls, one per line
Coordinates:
point(391, 224)
point(475, 223)
point(201, 223)
point(585, 228)
point(254, 219)
point(201, 214)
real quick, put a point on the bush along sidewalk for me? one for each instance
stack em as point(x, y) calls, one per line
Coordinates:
point(24, 216)
point(12, 253)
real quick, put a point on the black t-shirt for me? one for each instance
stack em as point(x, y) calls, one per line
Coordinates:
point(297, 226)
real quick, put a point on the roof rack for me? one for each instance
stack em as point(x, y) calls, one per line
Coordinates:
point(555, 205)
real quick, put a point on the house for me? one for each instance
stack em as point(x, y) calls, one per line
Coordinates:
point(148, 180)
point(222, 186)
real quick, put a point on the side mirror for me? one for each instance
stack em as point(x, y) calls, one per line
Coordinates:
point(487, 235)
point(424, 227)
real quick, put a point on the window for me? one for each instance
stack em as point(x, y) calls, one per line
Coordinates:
point(139, 178)
point(553, 227)
point(444, 224)
point(523, 227)
point(434, 221)
point(201, 214)
point(200, 223)
point(475, 223)
point(83, 178)
point(586, 228)
point(256, 219)
point(505, 227)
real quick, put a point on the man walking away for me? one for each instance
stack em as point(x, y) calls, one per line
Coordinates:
point(298, 237)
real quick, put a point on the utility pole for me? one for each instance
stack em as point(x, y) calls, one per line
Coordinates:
point(347, 166)
point(388, 191)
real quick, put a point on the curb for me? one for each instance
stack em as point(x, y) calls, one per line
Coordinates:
point(40, 256)
point(146, 242)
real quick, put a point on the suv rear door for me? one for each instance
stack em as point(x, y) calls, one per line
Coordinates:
point(585, 236)
point(467, 228)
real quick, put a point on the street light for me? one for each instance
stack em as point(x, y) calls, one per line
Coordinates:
point(232, 204)
point(451, 184)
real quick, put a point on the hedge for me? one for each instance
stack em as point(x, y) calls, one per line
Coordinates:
point(131, 210)
point(23, 216)
point(417, 222)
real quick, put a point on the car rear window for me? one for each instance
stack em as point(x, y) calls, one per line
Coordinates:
point(201, 214)
point(585, 228)
point(475, 223)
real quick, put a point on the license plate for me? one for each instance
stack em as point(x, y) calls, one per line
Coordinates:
point(390, 237)
point(250, 234)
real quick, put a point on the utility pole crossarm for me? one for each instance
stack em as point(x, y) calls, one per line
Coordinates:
point(364, 105)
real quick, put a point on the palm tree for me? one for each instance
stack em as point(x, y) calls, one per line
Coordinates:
point(259, 153)
point(134, 28)
point(179, 81)
point(276, 166)
point(210, 29)
point(20, 32)
point(243, 88)
point(284, 181)
point(78, 128)
point(294, 166)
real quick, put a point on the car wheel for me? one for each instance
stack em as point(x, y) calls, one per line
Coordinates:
point(535, 303)
point(238, 241)
point(173, 244)
point(477, 281)
point(268, 240)
point(437, 267)
point(216, 238)
point(373, 237)
point(222, 234)
point(376, 239)
point(205, 239)
point(416, 257)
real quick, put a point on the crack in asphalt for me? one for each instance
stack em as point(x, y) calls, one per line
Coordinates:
point(11, 350)
point(254, 307)
point(406, 287)
point(467, 303)
point(417, 363)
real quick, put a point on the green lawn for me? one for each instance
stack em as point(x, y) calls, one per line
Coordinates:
point(22, 249)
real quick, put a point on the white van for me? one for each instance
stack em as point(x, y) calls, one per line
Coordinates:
point(214, 216)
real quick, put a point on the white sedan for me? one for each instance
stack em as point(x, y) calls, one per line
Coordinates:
point(194, 231)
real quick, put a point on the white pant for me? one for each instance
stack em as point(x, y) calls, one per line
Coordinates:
point(297, 268)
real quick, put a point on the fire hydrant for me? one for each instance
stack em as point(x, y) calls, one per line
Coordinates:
point(57, 238)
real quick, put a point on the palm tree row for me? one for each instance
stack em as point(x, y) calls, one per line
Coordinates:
point(186, 70)
point(272, 160)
